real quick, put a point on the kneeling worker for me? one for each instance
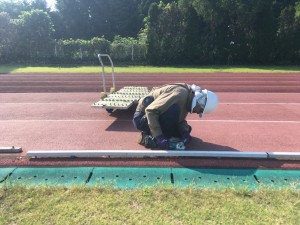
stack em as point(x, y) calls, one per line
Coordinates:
point(161, 115)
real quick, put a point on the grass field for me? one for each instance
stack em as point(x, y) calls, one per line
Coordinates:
point(149, 69)
point(96, 205)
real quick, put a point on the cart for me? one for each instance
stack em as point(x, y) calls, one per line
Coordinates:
point(121, 99)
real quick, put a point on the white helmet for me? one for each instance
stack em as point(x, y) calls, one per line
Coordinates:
point(212, 102)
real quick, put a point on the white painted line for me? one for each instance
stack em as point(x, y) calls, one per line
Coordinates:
point(284, 155)
point(117, 120)
point(33, 120)
point(43, 103)
point(259, 103)
point(88, 102)
point(248, 121)
point(146, 153)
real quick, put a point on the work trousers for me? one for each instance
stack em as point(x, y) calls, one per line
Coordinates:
point(168, 122)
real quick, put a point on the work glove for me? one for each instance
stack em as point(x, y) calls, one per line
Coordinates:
point(186, 137)
point(162, 142)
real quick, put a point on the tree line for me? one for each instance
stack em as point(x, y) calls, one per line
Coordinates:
point(178, 32)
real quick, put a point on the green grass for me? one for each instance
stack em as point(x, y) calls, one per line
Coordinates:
point(99, 205)
point(149, 69)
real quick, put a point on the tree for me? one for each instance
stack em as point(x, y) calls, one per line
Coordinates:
point(75, 15)
point(297, 32)
point(38, 4)
point(239, 30)
point(153, 33)
point(91, 18)
point(262, 37)
point(34, 30)
point(288, 35)
point(194, 27)
point(12, 7)
point(59, 26)
point(6, 34)
point(15, 7)
point(117, 17)
point(164, 29)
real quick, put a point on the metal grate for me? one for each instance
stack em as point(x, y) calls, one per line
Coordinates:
point(123, 98)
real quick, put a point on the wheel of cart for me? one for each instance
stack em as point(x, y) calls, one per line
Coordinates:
point(121, 99)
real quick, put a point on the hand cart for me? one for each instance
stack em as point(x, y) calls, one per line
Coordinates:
point(121, 99)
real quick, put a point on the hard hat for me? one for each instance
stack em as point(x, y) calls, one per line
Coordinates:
point(199, 99)
point(212, 102)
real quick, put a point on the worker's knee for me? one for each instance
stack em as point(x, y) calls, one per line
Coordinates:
point(140, 121)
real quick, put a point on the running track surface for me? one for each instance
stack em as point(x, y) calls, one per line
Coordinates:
point(257, 113)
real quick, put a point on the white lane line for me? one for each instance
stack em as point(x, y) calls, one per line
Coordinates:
point(248, 121)
point(259, 103)
point(91, 102)
point(117, 120)
point(44, 103)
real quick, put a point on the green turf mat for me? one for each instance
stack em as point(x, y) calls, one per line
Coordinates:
point(127, 178)
point(279, 178)
point(50, 176)
point(4, 173)
point(139, 177)
point(214, 177)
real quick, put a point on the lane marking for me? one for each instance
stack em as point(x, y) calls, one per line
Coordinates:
point(117, 120)
point(91, 102)
point(42, 103)
point(248, 121)
point(259, 103)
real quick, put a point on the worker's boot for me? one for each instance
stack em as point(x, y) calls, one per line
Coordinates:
point(150, 142)
point(141, 139)
point(143, 135)
point(176, 144)
point(147, 140)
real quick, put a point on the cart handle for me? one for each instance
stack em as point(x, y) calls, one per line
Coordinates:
point(103, 72)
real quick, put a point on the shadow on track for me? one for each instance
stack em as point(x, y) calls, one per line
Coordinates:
point(199, 144)
point(123, 124)
point(123, 120)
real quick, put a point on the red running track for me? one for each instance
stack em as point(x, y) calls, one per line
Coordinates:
point(257, 112)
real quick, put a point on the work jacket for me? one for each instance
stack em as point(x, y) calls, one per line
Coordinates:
point(164, 97)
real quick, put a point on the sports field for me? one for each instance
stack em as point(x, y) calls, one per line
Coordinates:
point(52, 111)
